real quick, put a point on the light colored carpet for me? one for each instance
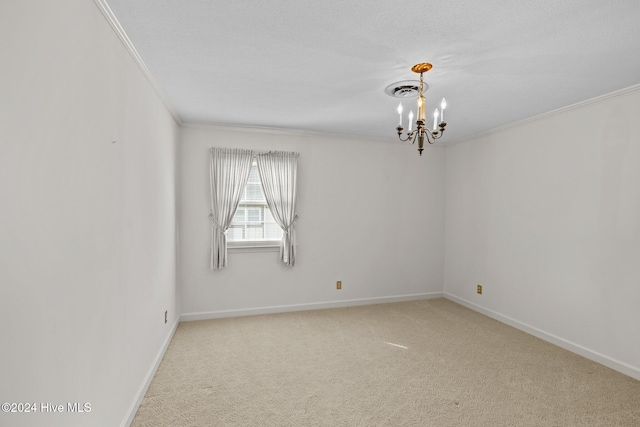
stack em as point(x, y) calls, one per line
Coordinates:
point(419, 363)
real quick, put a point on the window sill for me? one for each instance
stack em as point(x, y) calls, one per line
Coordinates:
point(254, 247)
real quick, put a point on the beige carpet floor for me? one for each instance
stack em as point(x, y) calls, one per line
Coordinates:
point(418, 363)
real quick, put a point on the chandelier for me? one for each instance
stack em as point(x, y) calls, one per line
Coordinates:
point(407, 89)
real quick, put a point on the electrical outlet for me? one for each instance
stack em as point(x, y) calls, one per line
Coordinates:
point(479, 289)
point(339, 284)
point(166, 318)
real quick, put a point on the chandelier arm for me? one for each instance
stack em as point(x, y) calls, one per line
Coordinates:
point(408, 137)
point(437, 134)
point(440, 132)
point(430, 136)
point(411, 136)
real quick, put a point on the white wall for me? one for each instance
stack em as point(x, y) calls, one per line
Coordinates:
point(87, 227)
point(370, 214)
point(546, 215)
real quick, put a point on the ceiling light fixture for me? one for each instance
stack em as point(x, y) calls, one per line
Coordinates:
point(407, 88)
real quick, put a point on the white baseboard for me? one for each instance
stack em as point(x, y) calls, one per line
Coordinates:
point(632, 371)
point(187, 317)
point(148, 378)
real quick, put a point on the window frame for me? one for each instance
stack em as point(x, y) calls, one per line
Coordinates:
point(253, 245)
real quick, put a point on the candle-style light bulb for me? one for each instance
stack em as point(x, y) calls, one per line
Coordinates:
point(443, 105)
point(400, 114)
point(435, 118)
point(410, 120)
point(421, 108)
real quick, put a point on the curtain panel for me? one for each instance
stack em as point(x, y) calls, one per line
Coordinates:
point(228, 174)
point(278, 173)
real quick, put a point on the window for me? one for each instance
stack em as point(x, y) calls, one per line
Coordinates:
point(253, 224)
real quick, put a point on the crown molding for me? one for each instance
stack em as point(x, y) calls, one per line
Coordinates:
point(278, 131)
point(561, 110)
point(296, 132)
point(108, 14)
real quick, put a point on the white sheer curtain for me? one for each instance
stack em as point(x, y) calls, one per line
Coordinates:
point(228, 173)
point(278, 173)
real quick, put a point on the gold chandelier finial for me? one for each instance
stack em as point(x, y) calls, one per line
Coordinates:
point(422, 67)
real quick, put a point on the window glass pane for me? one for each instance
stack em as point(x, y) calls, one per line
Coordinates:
point(239, 216)
point(254, 175)
point(235, 233)
point(254, 192)
point(272, 231)
point(253, 220)
point(267, 215)
point(255, 233)
point(253, 214)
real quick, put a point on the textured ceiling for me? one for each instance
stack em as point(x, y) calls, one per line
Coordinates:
point(323, 65)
